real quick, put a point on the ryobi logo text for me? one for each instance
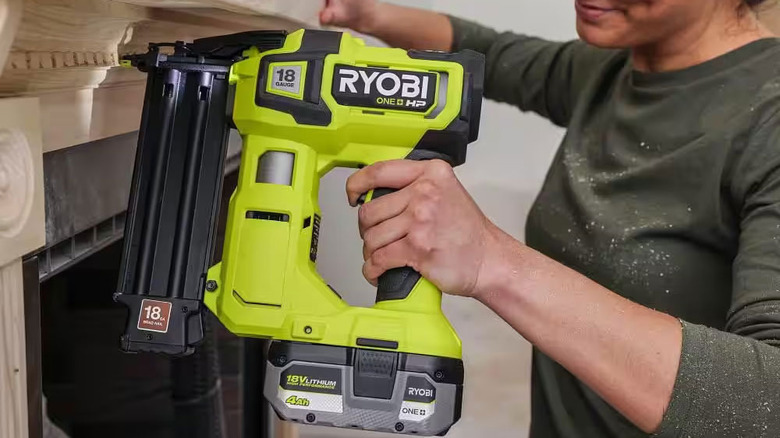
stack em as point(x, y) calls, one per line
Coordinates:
point(384, 88)
point(421, 392)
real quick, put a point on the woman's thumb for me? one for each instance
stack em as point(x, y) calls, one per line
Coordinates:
point(326, 16)
point(328, 12)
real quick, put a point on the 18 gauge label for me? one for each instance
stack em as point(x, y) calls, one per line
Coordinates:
point(286, 79)
point(155, 316)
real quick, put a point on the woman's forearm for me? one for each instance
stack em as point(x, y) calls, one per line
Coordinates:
point(625, 352)
point(410, 28)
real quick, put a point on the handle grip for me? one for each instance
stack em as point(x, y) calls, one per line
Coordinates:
point(397, 283)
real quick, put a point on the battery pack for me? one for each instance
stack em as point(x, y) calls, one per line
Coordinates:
point(361, 388)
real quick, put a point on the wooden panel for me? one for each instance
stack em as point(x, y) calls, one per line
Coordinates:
point(21, 179)
point(13, 368)
point(67, 52)
point(72, 26)
point(190, 24)
point(304, 11)
point(79, 116)
point(10, 15)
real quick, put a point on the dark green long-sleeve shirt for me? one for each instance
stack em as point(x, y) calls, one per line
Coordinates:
point(666, 190)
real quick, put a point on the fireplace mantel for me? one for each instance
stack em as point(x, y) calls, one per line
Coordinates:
point(61, 86)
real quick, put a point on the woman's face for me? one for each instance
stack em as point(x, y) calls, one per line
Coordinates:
point(634, 23)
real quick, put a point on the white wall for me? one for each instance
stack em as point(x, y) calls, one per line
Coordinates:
point(504, 171)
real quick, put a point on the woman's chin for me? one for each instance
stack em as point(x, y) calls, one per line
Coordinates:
point(600, 37)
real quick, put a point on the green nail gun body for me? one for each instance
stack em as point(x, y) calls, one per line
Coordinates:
point(303, 103)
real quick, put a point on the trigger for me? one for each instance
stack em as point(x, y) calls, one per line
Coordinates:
point(365, 197)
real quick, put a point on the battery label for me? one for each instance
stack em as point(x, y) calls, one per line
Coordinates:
point(311, 401)
point(155, 316)
point(419, 400)
point(312, 388)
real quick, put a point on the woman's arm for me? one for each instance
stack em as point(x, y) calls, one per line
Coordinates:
point(677, 379)
point(626, 353)
point(398, 26)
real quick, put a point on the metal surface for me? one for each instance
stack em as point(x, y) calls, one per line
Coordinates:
point(56, 258)
point(86, 184)
point(32, 329)
point(276, 168)
point(86, 191)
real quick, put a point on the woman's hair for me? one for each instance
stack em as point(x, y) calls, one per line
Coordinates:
point(752, 3)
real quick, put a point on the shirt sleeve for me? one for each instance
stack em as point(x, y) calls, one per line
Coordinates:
point(532, 73)
point(728, 384)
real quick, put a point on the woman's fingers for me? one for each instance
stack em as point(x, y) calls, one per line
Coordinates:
point(394, 255)
point(382, 209)
point(394, 174)
point(385, 233)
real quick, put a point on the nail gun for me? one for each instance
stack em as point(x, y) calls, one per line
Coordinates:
point(304, 103)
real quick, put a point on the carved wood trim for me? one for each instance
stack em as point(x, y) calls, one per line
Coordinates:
point(82, 36)
point(67, 52)
point(21, 179)
point(41, 60)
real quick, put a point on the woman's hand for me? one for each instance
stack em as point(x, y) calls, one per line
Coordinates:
point(431, 224)
point(398, 26)
point(352, 14)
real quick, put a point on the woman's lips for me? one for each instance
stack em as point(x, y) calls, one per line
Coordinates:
point(590, 11)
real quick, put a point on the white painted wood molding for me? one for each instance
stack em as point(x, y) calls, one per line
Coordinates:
point(66, 52)
point(303, 11)
point(17, 205)
point(21, 179)
point(13, 364)
point(10, 16)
